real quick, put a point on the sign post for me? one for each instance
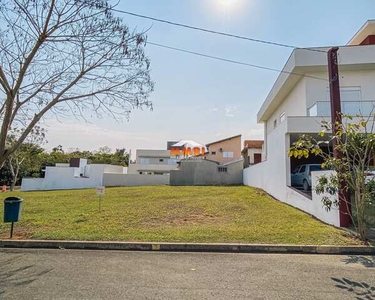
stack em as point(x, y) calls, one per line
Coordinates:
point(100, 191)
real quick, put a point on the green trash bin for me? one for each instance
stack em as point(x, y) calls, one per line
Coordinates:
point(12, 209)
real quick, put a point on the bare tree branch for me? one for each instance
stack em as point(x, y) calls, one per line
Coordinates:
point(67, 57)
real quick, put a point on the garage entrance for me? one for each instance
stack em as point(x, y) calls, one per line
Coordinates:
point(300, 169)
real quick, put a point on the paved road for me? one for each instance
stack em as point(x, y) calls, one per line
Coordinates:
point(73, 274)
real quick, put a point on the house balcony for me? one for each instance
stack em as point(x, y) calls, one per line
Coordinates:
point(321, 110)
point(304, 124)
point(353, 108)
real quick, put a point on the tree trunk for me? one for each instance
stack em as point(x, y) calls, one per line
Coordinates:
point(13, 184)
point(14, 172)
point(360, 214)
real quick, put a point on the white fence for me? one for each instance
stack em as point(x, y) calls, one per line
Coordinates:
point(64, 178)
point(333, 217)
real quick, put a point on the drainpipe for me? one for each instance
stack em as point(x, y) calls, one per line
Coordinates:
point(334, 90)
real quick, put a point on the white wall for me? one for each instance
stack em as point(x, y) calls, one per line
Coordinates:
point(333, 217)
point(260, 175)
point(270, 174)
point(293, 105)
point(135, 168)
point(134, 179)
point(115, 169)
point(60, 178)
point(273, 177)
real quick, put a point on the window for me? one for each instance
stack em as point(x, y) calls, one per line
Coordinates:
point(282, 117)
point(227, 154)
point(302, 170)
point(213, 153)
point(144, 161)
point(348, 93)
point(274, 123)
point(222, 169)
point(161, 160)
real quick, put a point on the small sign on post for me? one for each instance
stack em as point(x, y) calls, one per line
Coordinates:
point(100, 191)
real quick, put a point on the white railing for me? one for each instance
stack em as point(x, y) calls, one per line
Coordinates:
point(323, 108)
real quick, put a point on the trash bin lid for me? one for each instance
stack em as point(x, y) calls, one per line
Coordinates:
point(13, 199)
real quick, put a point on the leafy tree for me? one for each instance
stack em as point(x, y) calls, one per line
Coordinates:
point(354, 141)
point(66, 57)
point(26, 153)
point(105, 156)
point(104, 150)
point(58, 149)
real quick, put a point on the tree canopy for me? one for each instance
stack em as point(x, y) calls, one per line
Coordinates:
point(67, 58)
point(35, 159)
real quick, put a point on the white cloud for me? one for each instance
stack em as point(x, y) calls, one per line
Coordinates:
point(230, 110)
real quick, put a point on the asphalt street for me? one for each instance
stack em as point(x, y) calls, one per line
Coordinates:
point(76, 274)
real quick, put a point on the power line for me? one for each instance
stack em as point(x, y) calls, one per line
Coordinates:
point(214, 31)
point(233, 61)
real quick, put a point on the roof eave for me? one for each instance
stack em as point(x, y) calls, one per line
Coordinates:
point(360, 34)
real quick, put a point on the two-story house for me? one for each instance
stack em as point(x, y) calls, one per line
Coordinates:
point(224, 150)
point(299, 101)
point(152, 162)
point(159, 162)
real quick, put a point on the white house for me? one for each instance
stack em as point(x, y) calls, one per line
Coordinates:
point(153, 162)
point(252, 152)
point(298, 102)
point(159, 162)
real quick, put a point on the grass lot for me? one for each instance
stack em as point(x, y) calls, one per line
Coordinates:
point(169, 214)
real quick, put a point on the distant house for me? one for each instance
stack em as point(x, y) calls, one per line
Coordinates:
point(207, 172)
point(225, 150)
point(152, 162)
point(252, 152)
point(159, 162)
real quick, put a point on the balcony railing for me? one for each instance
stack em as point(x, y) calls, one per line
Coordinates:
point(323, 108)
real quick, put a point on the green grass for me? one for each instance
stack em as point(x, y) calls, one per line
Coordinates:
point(169, 214)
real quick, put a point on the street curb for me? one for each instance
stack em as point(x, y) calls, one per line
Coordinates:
point(188, 247)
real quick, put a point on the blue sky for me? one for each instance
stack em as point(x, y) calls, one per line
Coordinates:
point(204, 100)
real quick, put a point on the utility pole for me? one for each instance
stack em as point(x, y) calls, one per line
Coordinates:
point(336, 119)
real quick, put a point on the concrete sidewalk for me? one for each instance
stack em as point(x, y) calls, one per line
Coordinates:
point(188, 247)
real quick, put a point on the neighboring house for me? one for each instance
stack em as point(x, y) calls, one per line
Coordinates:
point(159, 162)
point(207, 172)
point(299, 101)
point(252, 152)
point(153, 162)
point(224, 150)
